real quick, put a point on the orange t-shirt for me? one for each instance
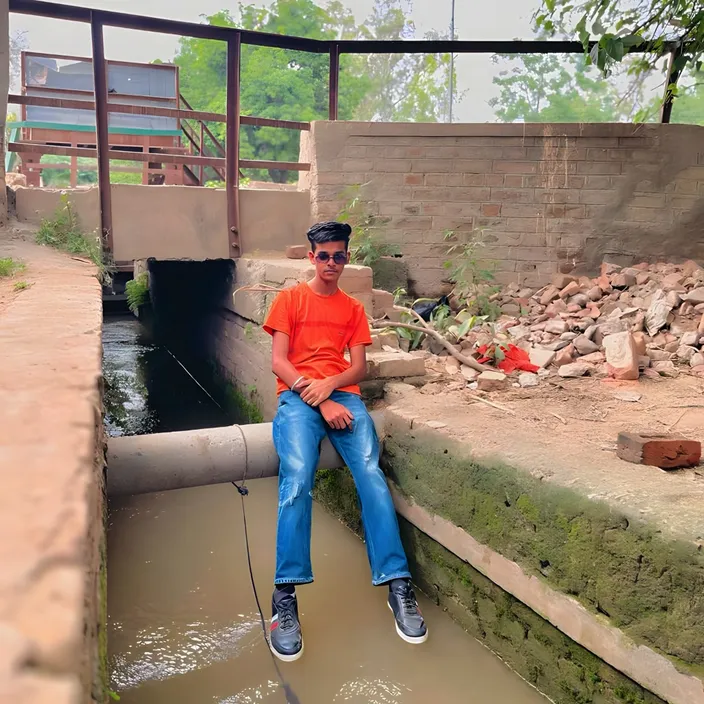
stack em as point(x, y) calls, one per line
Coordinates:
point(319, 328)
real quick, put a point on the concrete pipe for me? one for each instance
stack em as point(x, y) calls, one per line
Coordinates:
point(140, 464)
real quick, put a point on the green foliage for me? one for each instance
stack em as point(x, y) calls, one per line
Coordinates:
point(63, 232)
point(292, 85)
point(9, 266)
point(21, 286)
point(471, 278)
point(61, 178)
point(367, 244)
point(137, 291)
point(551, 88)
point(688, 108)
point(617, 25)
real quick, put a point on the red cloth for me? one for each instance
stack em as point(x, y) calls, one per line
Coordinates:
point(514, 358)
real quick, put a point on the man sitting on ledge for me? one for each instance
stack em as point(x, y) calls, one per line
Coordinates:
point(311, 325)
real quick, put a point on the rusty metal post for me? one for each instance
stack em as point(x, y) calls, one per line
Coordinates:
point(673, 75)
point(100, 86)
point(334, 83)
point(201, 151)
point(232, 181)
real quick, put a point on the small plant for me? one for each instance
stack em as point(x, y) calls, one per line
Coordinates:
point(63, 232)
point(399, 294)
point(9, 266)
point(137, 292)
point(473, 282)
point(248, 331)
point(367, 244)
point(21, 286)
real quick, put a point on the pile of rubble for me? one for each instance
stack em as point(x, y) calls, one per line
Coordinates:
point(645, 320)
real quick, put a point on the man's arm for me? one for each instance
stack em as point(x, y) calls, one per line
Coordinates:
point(319, 390)
point(280, 364)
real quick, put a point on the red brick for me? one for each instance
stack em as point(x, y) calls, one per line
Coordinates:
point(514, 181)
point(515, 167)
point(491, 210)
point(664, 451)
point(413, 179)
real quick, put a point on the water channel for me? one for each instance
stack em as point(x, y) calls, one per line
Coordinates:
point(183, 624)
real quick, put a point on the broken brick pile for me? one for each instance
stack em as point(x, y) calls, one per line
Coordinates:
point(645, 320)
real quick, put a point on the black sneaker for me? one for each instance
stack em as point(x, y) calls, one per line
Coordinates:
point(285, 638)
point(409, 620)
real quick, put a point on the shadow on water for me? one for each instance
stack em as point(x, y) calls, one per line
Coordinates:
point(147, 390)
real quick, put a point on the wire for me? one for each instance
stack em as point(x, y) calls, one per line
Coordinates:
point(243, 491)
point(291, 697)
point(203, 389)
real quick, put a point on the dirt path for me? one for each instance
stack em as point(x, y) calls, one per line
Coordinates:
point(565, 431)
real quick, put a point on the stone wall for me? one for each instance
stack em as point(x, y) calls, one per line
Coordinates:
point(548, 197)
point(53, 579)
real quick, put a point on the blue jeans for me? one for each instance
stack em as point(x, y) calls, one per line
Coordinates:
point(298, 431)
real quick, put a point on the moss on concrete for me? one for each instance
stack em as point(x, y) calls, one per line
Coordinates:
point(555, 664)
point(649, 586)
point(243, 405)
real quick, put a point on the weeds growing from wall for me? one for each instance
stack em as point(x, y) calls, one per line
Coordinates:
point(63, 232)
point(137, 291)
point(368, 243)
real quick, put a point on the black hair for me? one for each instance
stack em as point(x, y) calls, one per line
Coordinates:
point(329, 232)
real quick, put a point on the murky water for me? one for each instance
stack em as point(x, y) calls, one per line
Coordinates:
point(184, 628)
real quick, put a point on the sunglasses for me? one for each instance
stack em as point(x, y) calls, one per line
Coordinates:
point(338, 257)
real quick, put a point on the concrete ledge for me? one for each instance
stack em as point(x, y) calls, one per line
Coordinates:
point(52, 598)
point(653, 671)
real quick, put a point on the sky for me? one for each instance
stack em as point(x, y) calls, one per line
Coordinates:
point(507, 19)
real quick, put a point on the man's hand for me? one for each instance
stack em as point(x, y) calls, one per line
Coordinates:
point(317, 391)
point(336, 415)
point(302, 384)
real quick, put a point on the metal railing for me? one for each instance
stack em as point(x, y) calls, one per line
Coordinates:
point(234, 38)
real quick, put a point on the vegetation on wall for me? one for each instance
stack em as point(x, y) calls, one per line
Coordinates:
point(368, 243)
point(647, 585)
point(63, 232)
point(137, 291)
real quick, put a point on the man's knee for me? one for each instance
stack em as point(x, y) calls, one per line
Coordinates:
point(293, 487)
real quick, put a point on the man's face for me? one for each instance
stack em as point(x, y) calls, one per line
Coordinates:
point(324, 258)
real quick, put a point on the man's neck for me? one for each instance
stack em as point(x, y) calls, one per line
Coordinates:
point(323, 288)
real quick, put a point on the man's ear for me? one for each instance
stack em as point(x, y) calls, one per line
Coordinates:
point(311, 256)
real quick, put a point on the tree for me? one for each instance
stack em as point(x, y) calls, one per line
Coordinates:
point(293, 85)
point(405, 87)
point(618, 25)
point(689, 106)
point(550, 88)
point(18, 44)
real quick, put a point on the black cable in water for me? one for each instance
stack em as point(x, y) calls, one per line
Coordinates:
point(291, 697)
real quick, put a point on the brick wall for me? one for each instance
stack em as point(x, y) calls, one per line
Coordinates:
point(548, 197)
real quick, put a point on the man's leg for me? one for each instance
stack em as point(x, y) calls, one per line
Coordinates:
point(298, 432)
point(359, 448)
